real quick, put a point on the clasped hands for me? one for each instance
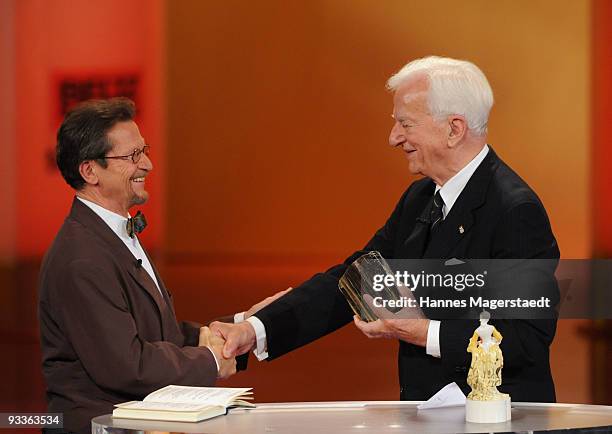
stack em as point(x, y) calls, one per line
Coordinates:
point(227, 365)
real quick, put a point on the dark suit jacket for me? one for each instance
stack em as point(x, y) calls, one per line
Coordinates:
point(502, 218)
point(107, 335)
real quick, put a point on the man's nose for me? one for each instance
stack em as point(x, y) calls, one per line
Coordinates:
point(145, 162)
point(396, 136)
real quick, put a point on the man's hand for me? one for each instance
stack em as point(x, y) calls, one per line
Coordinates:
point(227, 366)
point(239, 338)
point(409, 324)
point(413, 331)
point(266, 301)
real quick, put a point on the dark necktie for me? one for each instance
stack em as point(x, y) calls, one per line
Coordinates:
point(436, 215)
point(136, 224)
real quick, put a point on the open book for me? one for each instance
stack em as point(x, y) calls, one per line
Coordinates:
point(185, 403)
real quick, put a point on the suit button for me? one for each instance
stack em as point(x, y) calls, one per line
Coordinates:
point(460, 369)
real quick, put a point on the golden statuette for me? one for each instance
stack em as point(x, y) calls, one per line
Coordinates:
point(485, 375)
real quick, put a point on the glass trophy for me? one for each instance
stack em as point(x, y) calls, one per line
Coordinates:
point(358, 280)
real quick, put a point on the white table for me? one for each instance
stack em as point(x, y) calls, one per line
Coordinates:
point(372, 417)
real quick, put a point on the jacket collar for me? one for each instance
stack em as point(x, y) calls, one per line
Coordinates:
point(460, 219)
point(92, 222)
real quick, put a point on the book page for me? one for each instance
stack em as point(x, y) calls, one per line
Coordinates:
point(197, 395)
point(162, 406)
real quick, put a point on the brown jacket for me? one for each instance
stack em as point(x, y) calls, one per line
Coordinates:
point(107, 335)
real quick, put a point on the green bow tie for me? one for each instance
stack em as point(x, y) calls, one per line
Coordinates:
point(136, 224)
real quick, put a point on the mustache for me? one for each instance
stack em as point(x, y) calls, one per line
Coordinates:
point(140, 175)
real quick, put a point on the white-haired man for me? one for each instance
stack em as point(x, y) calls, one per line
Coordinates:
point(469, 204)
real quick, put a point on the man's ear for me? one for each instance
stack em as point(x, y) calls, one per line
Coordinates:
point(457, 130)
point(87, 169)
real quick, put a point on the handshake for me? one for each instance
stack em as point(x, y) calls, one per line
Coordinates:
point(215, 343)
point(226, 340)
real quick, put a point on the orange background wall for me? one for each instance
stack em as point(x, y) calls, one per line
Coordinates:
point(278, 118)
point(279, 166)
point(59, 38)
point(602, 128)
point(8, 213)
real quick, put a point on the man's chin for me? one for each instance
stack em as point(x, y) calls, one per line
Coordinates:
point(413, 169)
point(140, 199)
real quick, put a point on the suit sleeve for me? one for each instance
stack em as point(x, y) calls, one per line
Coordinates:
point(96, 317)
point(317, 307)
point(522, 233)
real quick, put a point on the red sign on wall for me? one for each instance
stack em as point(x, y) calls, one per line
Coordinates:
point(72, 89)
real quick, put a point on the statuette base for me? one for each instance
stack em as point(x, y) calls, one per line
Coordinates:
point(495, 411)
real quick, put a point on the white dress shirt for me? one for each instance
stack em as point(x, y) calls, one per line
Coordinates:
point(260, 350)
point(450, 191)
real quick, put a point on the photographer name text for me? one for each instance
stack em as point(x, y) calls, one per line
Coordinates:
point(480, 302)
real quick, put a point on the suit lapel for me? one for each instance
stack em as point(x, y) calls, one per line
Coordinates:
point(140, 275)
point(456, 225)
point(160, 282)
point(84, 215)
point(170, 327)
point(460, 219)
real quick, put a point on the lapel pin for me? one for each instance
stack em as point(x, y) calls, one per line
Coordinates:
point(461, 230)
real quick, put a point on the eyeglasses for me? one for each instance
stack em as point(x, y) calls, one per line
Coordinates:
point(135, 156)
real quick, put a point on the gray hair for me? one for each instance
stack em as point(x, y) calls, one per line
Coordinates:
point(456, 87)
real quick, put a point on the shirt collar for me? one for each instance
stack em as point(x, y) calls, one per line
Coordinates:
point(451, 190)
point(116, 222)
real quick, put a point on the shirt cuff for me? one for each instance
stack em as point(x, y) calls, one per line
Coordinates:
point(239, 317)
point(214, 357)
point(433, 339)
point(260, 335)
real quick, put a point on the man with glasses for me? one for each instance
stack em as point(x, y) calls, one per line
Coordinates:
point(108, 328)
